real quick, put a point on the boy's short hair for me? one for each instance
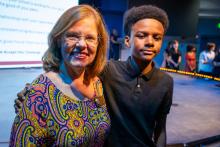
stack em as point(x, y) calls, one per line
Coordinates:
point(135, 14)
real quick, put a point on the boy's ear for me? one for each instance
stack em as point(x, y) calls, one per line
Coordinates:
point(127, 41)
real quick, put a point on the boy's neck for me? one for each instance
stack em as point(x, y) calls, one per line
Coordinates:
point(144, 67)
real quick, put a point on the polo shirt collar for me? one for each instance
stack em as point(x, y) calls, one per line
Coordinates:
point(134, 70)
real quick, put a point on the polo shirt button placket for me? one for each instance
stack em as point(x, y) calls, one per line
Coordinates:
point(137, 91)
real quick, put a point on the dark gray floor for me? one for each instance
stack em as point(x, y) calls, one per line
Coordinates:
point(194, 115)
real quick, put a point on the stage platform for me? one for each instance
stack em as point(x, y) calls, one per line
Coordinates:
point(194, 115)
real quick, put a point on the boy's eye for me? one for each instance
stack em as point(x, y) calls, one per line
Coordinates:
point(140, 36)
point(157, 37)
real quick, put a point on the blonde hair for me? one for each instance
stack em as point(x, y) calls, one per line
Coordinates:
point(52, 57)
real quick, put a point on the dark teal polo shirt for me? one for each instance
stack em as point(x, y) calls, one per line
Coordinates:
point(135, 102)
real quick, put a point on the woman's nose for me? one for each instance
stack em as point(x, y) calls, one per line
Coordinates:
point(81, 42)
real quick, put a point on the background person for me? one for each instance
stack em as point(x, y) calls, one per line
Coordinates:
point(216, 64)
point(175, 55)
point(190, 57)
point(114, 45)
point(206, 58)
point(166, 56)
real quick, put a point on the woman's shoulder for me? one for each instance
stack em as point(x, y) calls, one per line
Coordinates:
point(40, 86)
point(42, 79)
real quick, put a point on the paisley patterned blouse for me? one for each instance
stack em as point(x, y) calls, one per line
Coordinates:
point(50, 118)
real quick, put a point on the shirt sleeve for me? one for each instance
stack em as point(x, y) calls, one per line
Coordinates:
point(160, 125)
point(167, 100)
point(29, 127)
point(202, 58)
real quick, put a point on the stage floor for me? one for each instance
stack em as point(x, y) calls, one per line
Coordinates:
point(194, 115)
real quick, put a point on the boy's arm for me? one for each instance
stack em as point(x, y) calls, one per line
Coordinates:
point(160, 132)
point(21, 97)
point(160, 126)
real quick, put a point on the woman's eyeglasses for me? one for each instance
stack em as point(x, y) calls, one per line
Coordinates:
point(89, 39)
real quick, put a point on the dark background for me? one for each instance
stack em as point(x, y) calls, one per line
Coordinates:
point(191, 21)
point(183, 14)
point(188, 18)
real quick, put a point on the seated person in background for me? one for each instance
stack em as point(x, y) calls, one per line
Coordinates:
point(190, 58)
point(60, 107)
point(206, 58)
point(175, 55)
point(166, 56)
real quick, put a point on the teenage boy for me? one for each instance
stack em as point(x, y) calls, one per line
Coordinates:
point(139, 95)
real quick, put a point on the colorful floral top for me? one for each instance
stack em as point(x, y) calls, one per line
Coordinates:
point(50, 118)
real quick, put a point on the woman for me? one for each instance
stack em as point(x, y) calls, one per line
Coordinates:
point(175, 55)
point(65, 105)
point(166, 56)
point(190, 58)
